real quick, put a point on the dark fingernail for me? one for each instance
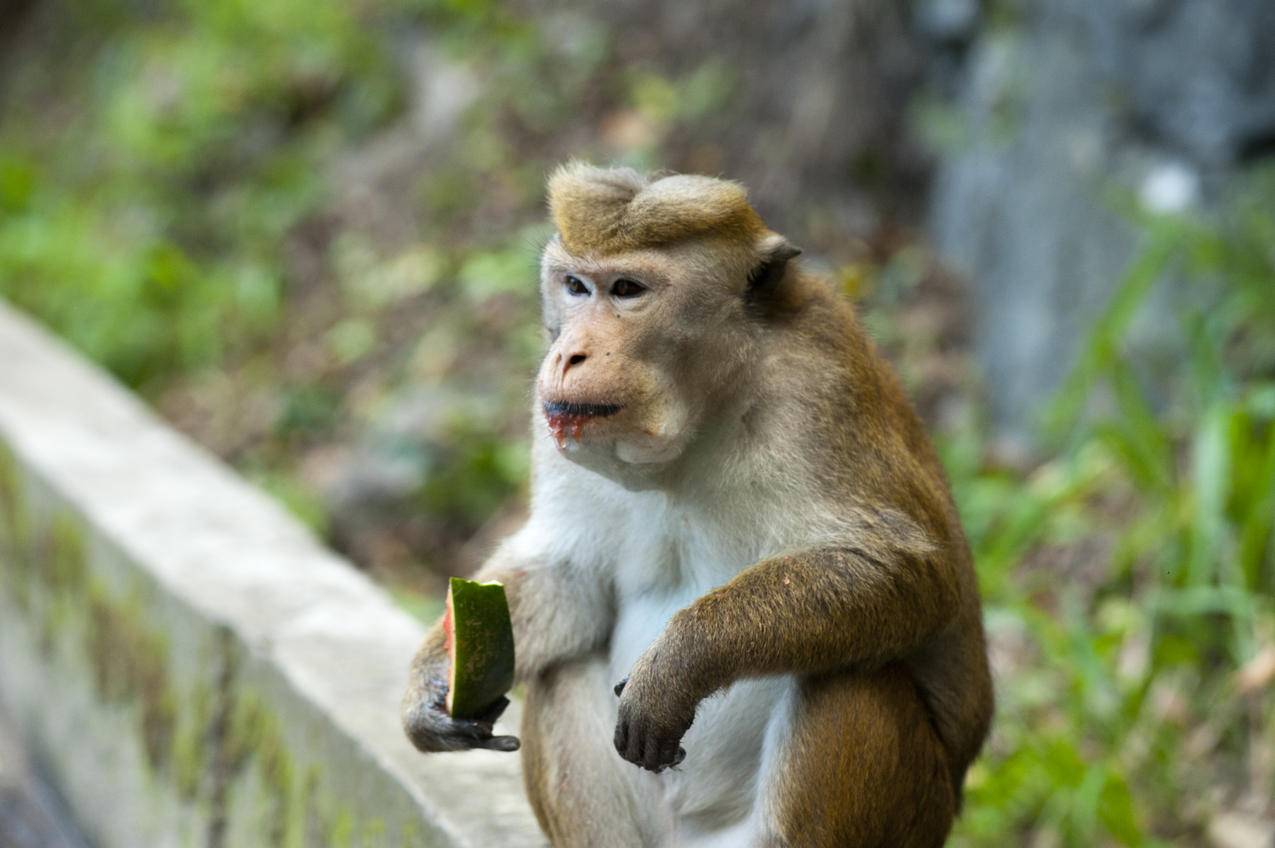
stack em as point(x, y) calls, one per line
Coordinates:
point(505, 743)
point(657, 758)
point(681, 755)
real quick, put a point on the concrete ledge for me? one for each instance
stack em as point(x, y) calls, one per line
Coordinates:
point(189, 665)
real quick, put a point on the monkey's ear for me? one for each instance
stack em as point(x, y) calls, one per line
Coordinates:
point(775, 252)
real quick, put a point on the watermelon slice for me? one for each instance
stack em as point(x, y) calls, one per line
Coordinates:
point(479, 639)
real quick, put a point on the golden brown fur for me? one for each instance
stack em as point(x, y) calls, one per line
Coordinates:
point(603, 211)
point(751, 524)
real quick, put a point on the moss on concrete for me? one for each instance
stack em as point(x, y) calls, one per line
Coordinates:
point(58, 572)
point(254, 738)
point(412, 836)
point(129, 663)
point(194, 743)
point(49, 577)
point(198, 743)
point(312, 823)
point(41, 563)
point(372, 832)
point(340, 831)
point(11, 499)
point(64, 564)
point(15, 531)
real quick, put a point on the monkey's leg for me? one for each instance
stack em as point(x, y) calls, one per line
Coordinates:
point(863, 767)
point(583, 794)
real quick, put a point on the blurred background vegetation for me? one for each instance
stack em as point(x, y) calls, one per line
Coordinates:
point(307, 233)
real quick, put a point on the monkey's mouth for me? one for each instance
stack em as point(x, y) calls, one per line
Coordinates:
point(555, 408)
point(566, 419)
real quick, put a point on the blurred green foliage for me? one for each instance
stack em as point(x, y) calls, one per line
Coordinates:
point(154, 190)
point(1132, 575)
point(149, 186)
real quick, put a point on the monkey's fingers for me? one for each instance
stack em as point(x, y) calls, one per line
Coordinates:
point(653, 755)
point(479, 730)
point(464, 735)
point(629, 739)
point(432, 729)
point(669, 755)
point(500, 743)
point(637, 744)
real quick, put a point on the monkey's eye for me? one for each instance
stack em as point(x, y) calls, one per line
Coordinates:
point(626, 288)
point(575, 286)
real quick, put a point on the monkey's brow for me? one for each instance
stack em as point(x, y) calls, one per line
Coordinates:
point(598, 269)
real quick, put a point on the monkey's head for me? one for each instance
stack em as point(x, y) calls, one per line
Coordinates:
point(653, 294)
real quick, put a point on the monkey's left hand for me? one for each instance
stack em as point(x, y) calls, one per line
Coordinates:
point(654, 715)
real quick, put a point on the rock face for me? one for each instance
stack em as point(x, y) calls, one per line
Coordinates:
point(1073, 113)
point(816, 120)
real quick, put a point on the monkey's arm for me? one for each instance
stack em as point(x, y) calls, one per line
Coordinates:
point(861, 602)
point(557, 613)
point(810, 612)
point(425, 718)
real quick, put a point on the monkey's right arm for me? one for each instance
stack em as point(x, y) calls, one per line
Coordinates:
point(425, 717)
point(558, 612)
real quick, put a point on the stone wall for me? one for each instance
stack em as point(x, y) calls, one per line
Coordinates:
point(184, 661)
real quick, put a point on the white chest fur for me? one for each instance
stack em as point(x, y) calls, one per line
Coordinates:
point(659, 555)
point(665, 558)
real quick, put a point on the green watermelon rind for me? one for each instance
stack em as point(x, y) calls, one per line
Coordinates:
point(481, 647)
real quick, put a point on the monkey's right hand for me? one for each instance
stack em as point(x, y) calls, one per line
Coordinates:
point(431, 729)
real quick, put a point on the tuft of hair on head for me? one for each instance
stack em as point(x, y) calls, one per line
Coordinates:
point(604, 211)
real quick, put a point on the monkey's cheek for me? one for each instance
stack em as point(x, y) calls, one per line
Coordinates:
point(659, 436)
point(652, 446)
point(644, 452)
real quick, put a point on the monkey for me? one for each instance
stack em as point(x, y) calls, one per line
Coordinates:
point(745, 611)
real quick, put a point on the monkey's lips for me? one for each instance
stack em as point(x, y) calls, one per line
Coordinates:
point(566, 419)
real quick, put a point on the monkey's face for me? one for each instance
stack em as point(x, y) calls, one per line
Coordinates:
point(643, 349)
